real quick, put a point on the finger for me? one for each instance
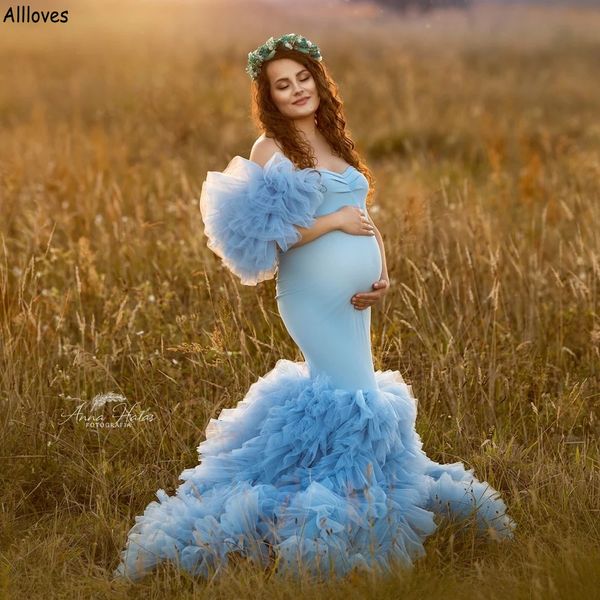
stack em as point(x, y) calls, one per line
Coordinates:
point(361, 304)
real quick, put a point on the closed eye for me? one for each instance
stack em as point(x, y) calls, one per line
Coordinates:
point(286, 86)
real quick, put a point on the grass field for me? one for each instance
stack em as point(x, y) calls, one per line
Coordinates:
point(483, 132)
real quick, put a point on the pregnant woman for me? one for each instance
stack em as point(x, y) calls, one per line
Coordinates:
point(319, 468)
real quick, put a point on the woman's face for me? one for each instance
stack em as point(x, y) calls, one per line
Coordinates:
point(291, 81)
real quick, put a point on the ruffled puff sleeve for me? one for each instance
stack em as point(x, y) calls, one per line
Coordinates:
point(250, 213)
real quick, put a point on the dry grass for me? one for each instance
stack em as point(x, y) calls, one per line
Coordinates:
point(484, 135)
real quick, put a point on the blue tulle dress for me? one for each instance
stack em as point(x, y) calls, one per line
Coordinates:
point(319, 464)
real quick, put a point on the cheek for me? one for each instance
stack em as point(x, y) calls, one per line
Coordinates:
point(310, 86)
point(280, 97)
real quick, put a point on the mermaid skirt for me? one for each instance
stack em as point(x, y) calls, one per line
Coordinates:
point(325, 477)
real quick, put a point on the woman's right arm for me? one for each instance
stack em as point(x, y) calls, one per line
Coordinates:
point(322, 225)
point(349, 219)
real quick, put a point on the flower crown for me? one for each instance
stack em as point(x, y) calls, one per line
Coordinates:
point(263, 53)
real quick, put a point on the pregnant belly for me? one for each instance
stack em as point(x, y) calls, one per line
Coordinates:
point(335, 263)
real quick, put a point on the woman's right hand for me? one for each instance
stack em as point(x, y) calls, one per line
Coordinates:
point(353, 220)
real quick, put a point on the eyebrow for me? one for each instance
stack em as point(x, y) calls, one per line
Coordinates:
point(287, 78)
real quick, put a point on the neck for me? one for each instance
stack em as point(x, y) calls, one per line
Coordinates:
point(307, 127)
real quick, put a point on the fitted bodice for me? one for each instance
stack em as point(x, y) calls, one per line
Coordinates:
point(316, 281)
point(350, 262)
point(347, 188)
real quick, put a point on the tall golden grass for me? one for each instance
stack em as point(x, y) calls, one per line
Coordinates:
point(483, 130)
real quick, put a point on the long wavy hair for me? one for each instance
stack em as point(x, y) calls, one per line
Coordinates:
point(329, 119)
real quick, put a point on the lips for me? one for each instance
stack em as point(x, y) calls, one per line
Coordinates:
point(301, 100)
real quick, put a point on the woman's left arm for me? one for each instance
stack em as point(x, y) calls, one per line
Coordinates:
point(363, 300)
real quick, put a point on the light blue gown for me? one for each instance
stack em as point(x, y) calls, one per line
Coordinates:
point(320, 461)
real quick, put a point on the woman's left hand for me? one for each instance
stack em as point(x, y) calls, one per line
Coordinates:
point(363, 300)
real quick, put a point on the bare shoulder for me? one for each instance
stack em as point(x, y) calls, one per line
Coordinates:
point(263, 149)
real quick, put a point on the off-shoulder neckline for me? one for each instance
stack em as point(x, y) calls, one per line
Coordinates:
point(336, 172)
point(284, 157)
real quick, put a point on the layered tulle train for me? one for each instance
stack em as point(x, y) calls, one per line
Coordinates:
point(316, 476)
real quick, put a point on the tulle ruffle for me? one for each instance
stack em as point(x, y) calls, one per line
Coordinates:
point(250, 213)
point(327, 478)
